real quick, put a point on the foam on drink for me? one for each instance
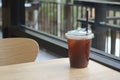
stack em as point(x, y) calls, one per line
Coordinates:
point(79, 34)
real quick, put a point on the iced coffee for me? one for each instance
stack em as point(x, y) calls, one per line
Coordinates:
point(79, 43)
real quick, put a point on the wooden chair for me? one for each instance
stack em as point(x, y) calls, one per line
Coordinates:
point(17, 50)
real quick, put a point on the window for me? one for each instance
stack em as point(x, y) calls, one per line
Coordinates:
point(56, 18)
point(47, 22)
point(0, 19)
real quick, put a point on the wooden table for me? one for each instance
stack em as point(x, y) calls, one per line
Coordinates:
point(57, 69)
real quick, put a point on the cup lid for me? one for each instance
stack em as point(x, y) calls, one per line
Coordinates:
point(80, 33)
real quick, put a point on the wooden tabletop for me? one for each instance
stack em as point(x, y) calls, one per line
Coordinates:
point(57, 69)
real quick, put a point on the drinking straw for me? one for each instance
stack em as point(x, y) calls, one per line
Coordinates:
point(87, 21)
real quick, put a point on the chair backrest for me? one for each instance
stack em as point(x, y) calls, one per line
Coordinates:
point(17, 50)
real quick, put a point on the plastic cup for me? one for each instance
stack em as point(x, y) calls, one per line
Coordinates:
point(79, 43)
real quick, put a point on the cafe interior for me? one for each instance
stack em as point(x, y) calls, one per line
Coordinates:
point(36, 43)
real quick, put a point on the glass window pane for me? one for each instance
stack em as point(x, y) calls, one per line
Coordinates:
point(56, 17)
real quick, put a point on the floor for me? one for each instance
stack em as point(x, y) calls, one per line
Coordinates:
point(0, 34)
point(43, 54)
point(46, 55)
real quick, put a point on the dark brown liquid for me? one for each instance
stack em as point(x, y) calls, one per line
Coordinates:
point(79, 51)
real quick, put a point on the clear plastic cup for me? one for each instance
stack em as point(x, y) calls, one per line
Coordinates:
point(79, 43)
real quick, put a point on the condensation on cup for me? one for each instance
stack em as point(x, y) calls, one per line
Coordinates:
point(79, 43)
